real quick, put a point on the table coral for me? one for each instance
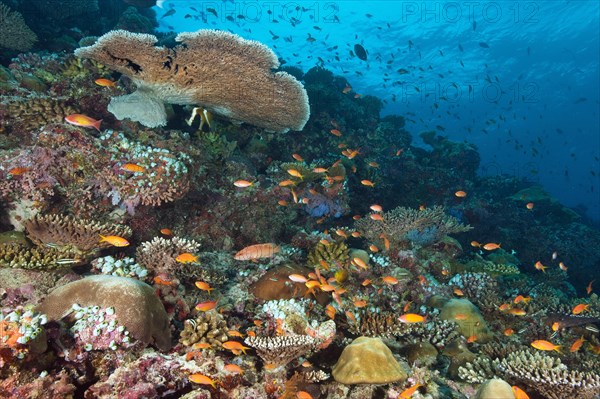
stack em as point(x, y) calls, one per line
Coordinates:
point(217, 70)
point(135, 304)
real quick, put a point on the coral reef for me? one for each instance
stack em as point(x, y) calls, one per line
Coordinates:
point(14, 32)
point(367, 361)
point(208, 327)
point(135, 305)
point(225, 64)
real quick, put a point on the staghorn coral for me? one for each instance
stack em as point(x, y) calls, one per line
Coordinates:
point(158, 255)
point(477, 371)
point(218, 70)
point(14, 32)
point(335, 254)
point(15, 255)
point(403, 225)
point(63, 230)
point(208, 327)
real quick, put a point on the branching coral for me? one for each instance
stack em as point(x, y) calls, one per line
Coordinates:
point(159, 254)
point(403, 225)
point(218, 70)
point(14, 33)
point(60, 230)
point(20, 256)
point(208, 327)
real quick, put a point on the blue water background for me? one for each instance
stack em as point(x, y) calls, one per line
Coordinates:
point(533, 107)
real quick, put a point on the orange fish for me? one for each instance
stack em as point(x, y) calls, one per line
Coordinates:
point(132, 167)
point(521, 298)
point(460, 316)
point(475, 244)
point(504, 307)
point(83, 121)
point(458, 292)
point(235, 333)
point(422, 279)
point(233, 368)
point(286, 183)
point(408, 392)
point(517, 312)
point(471, 339)
point(235, 346)
point(18, 171)
point(297, 157)
point(303, 395)
point(297, 278)
point(105, 82)
point(355, 234)
point(295, 173)
point(336, 132)
point(341, 233)
point(373, 164)
point(577, 345)
point(490, 246)
point(202, 379)
point(412, 318)
point(555, 326)
point(257, 251)
point(347, 89)
point(539, 266)
point(508, 332)
point(376, 208)
point(581, 308)
point(367, 183)
point(373, 248)
point(243, 183)
point(390, 280)
point(407, 306)
point(319, 170)
point(330, 311)
point(114, 240)
point(203, 286)
point(545, 345)
point(562, 266)
point(366, 282)
point(460, 194)
point(376, 216)
point(206, 306)
point(589, 287)
point(282, 202)
point(360, 303)
point(186, 257)
point(201, 345)
point(161, 281)
point(166, 232)
point(519, 393)
point(360, 263)
point(529, 205)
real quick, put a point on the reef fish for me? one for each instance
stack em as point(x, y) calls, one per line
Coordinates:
point(257, 251)
point(186, 257)
point(519, 393)
point(83, 121)
point(114, 240)
point(408, 392)
point(360, 52)
point(105, 82)
point(202, 379)
point(545, 345)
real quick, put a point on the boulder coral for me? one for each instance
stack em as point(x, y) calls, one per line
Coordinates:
point(470, 321)
point(135, 304)
point(367, 361)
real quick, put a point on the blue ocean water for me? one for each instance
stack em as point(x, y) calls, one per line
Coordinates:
point(517, 78)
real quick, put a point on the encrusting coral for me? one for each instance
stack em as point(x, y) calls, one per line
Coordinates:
point(217, 70)
point(135, 305)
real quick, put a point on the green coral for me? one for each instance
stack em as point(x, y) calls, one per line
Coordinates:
point(216, 145)
point(335, 254)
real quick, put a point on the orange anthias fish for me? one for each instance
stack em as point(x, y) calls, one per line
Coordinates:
point(132, 167)
point(491, 246)
point(530, 205)
point(202, 379)
point(508, 332)
point(166, 232)
point(517, 312)
point(204, 286)
point(105, 82)
point(545, 345)
point(206, 306)
point(186, 257)
point(257, 251)
point(336, 132)
point(577, 345)
point(589, 287)
point(408, 392)
point(242, 183)
point(235, 346)
point(390, 280)
point(581, 308)
point(460, 194)
point(114, 240)
point(539, 266)
point(368, 183)
point(412, 318)
point(376, 208)
point(303, 395)
point(18, 171)
point(519, 393)
point(233, 368)
point(83, 121)
point(475, 244)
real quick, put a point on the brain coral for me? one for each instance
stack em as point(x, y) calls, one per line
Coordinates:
point(135, 303)
point(367, 361)
point(217, 70)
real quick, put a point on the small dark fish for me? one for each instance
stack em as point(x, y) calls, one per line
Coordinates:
point(229, 18)
point(460, 47)
point(212, 11)
point(410, 44)
point(169, 13)
point(484, 45)
point(360, 52)
point(474, 25)
point(317, 28)
point(403, 71)
point(442, 54)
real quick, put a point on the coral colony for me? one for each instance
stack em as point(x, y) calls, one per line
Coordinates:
point(146, 255)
